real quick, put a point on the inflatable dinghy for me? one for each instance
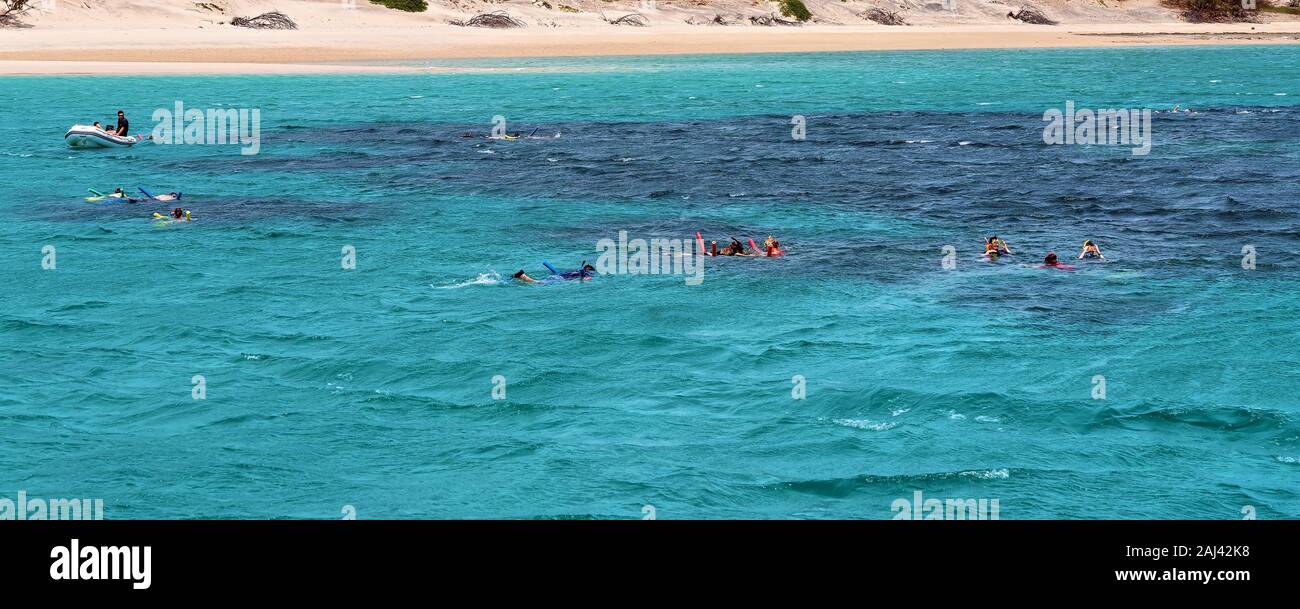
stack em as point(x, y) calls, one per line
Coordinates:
point(89, 136)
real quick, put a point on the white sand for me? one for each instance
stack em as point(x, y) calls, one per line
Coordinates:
point(178, 36)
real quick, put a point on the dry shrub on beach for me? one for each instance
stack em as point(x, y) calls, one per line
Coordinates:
point(274, 20)
point(410, 6)
point(772, 20)
point(12, 11)
point(498, 20)
point(1213, 11)
point(634, 19)
point(717, 19)
point(884, 17)
point(1029, 14)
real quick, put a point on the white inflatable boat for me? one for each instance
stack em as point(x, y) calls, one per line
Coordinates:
point(89, 136)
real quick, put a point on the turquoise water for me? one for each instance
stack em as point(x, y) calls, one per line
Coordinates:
point(372, 387)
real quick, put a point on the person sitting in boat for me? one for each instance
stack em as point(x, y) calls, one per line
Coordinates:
point(1090, 250)
point(123, 126)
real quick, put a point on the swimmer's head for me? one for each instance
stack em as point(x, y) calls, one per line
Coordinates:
point(1050, 259)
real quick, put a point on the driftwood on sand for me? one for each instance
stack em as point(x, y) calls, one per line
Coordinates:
point(12, 11)
point(772, 20)
point(634, 19)
point(1029, 14)
point(498, 20)
point(274, 20)
point(884, 17)
point(718, 19)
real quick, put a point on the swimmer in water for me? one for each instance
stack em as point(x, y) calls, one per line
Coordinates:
point(995, 245)
point(1051, 262)
point(1090, 250)
point(735, 248)
point(772, 247)
point(177, 215)
point(585, 273)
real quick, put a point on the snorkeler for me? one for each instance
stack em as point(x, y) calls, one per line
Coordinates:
point(735, 248)
point(772, 247)
point(176, 215)
point(1090, 250)
point(584, 272)
point(171, 196)
point(996, 245)
point(1051, 262)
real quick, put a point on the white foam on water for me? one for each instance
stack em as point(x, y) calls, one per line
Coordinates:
point(988, 474)
point(865, 424)
point(489, 278)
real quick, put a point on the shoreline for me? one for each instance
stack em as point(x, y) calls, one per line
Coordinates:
point(44, 53)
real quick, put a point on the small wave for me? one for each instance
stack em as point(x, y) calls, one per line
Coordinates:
point(1285, 459)
point(988, 474)
point(490, 278)
point(865, 424)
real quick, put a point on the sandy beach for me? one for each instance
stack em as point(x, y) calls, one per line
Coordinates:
point(179, 38)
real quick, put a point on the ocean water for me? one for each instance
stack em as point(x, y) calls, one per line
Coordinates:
point(372, 387)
